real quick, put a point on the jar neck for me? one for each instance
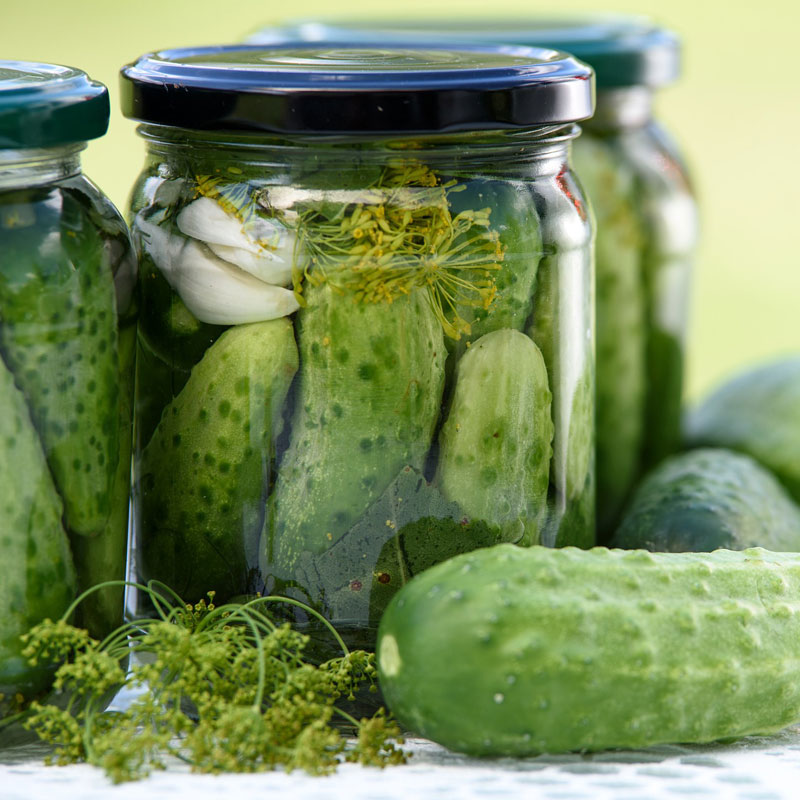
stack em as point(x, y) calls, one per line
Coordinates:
point(625, 107)
point(24, 169)
point(534, 152)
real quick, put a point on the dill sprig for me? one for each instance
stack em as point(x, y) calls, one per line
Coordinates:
point(225, 688)
point(381, 250)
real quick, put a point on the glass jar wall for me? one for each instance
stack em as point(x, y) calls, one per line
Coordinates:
point(646, 240)
point(67, 339)
point(359, 352)
point(646, 219)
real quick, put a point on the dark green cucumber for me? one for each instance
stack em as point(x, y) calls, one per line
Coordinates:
point(203, 475)
point(706, 499)
point(370, 386)
point(495, 447)
point(59, 338)
point(37, 578)
point(758, 413)
point(512, 651)
point(103, 557)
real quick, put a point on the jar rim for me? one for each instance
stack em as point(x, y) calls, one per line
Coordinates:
point(345, 89)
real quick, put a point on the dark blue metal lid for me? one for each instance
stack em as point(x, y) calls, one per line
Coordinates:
point(346, 89)
point(622, 50)
point(47, 105)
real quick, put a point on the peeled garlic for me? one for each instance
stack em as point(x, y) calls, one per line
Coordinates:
point(263, 247)
point(212, 289)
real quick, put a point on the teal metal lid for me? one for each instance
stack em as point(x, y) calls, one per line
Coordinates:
point(47, 105)
point(622, 50)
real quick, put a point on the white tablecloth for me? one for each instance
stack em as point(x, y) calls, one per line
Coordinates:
point(751, 769)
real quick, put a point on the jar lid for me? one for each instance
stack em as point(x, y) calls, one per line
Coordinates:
point(622, 50)
point(342, 89)
point(46, 105)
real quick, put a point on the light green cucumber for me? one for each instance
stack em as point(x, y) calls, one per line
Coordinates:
point(370, 386)
point(59, 338)
point(621, 322)
point(202, 478)
point(511, 651)
point(37, 579)
point(495, 447)
point(707, 499)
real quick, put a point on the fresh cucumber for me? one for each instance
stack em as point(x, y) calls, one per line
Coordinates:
point(495, 447)
point(37, 578)
point(370, 387)
point(203, 476)
point(517, 651)
point(706, 499)
point(757, 412)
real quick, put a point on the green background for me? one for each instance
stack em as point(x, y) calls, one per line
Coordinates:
point(735, 111)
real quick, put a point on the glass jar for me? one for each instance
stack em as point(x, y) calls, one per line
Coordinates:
point(646, 215)
point(67, 343)
point(366, 340)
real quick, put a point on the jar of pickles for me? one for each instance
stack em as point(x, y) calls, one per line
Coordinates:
point(67, 339)
point(366, 340)
point(646, 217)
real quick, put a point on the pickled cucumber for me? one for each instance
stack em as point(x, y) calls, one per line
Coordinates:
point(103, 557)
point(203, 476)
point(37, 578)
point(370, 387)
point(514, 220)
point(621, 323)
point(495, 447)
point(59, 338)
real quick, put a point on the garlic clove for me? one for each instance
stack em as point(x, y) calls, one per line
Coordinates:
point(221, 294)
point(266, 266)
point(263, 247)
point(163, 247)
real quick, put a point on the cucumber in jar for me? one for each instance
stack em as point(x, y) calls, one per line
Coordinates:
point(511, 216)
point(37, 577)
point(204, 474)
point(59, 338)
point(370, 386)
point(621, 322)
point(495, 447)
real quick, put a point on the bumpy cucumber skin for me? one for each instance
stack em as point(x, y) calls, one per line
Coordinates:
point(369, 395)
point(203, 476)
point(758, 413)
point(59, 337)
point(104, 557)
point(37, 578)
point(518, 651)
point(495, 447)
point(707, 499)
point(621, 322)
